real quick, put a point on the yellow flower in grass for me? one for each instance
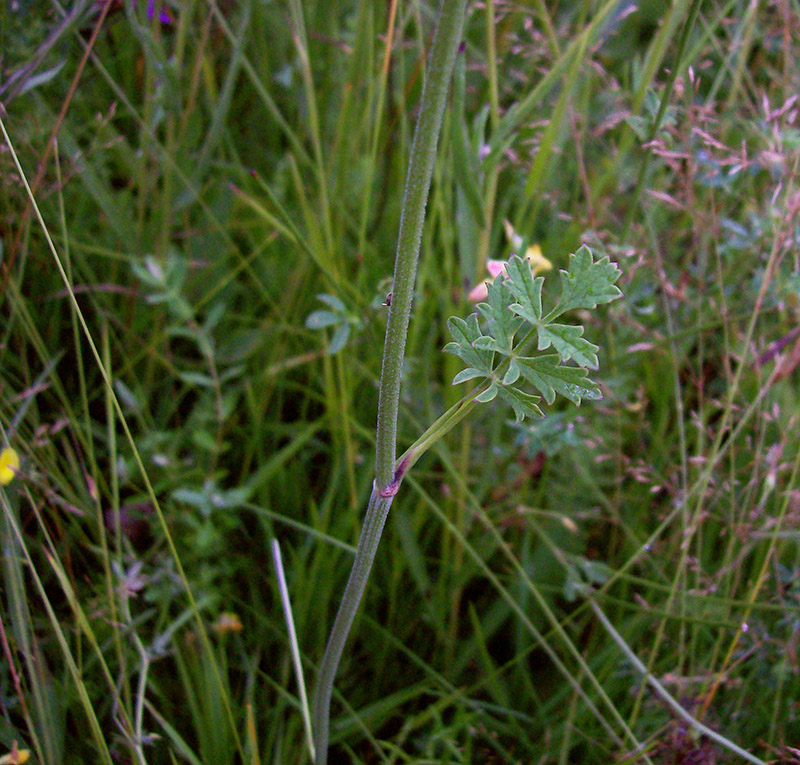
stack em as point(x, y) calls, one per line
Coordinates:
point(9, 465)
point(15, 756)
point(227, 622)
point(533, 255)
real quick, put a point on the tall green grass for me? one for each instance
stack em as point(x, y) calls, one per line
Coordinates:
point(174, 413)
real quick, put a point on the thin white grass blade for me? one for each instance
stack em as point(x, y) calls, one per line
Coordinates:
point(293, 645)
point(664, 694)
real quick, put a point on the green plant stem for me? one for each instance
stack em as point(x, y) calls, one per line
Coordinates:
point(377, 510)
point(418, 180)
point(387, 478)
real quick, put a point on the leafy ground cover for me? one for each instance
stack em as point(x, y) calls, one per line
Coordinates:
point(199, 205)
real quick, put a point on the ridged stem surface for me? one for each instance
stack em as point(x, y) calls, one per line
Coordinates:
point(387, 477)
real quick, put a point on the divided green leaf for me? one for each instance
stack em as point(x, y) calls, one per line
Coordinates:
point(588, 283)
point(526, 289)
point(464, 334)
point(521, 402)
point(502, 323)
point(568, 340)
point(493, 351)
point(550, 377)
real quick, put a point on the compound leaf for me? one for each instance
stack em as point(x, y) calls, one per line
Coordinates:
point(514, 298)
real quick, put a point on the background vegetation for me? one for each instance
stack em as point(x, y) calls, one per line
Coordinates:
point(223, 201)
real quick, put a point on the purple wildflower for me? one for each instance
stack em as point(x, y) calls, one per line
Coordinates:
point(163, 16)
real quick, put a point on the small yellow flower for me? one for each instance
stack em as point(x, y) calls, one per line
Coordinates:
point(16, 756)
point(9, 465)
point(227, 622)
point(533, 255)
